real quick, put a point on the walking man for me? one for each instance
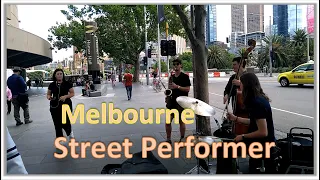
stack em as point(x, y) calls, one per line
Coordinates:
point(127, 80)
point(19, 96)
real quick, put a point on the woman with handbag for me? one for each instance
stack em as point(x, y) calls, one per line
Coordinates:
point(59, 93)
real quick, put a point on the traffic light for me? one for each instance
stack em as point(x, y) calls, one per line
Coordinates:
point(149, 53)
point(172, 48)
point(145, 61)
point(227, 40)
point(164, 47)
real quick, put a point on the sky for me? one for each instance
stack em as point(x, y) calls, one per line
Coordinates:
point(37, 19)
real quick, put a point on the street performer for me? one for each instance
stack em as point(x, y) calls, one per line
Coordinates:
point(260, 121)
point(180, 86)
point(232, 80)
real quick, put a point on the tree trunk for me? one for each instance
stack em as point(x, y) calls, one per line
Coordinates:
point(201, 52)
point(120, 72)
point(136, 69)
point(200, 70)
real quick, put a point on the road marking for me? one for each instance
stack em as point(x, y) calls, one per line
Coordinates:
point(276, 109)
point(216, 94)
point(293, 113)
point(110, 95)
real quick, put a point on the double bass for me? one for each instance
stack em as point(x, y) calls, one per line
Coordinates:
point(238, 106)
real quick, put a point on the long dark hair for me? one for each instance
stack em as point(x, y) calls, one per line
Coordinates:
point(251, 89)
point(54, 75)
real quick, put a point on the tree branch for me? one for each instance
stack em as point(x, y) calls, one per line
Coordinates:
point(186, 24)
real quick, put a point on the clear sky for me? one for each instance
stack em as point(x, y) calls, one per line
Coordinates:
point(37, 19)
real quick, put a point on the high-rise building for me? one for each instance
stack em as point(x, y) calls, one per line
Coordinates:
point(295, 20)
point(280, 20)
point(255, 18)
point(237, 18)
point(211, 24)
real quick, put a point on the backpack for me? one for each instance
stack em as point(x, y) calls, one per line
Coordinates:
point(137, 165)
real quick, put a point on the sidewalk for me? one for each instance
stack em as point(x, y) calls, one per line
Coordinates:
point(35, 141)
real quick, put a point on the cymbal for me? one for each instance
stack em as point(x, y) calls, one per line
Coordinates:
point(199, 107)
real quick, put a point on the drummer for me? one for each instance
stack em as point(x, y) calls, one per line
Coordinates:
point(180, 87)
point(260, 120)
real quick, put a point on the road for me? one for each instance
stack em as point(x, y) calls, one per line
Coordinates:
point(292, 106)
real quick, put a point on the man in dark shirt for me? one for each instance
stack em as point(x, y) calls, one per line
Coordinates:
point(180, 86)
point(20, 98)
point(236, 83)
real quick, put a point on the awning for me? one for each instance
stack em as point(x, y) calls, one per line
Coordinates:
point(25, 59)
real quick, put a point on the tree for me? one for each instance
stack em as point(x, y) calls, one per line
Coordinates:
point(186, 59)
point(163, 65)
point(120, 30)
point(278, 49)
point(216, 57)
point(199, 50)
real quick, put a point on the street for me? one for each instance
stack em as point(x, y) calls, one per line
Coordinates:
point(35, 140)
point(292, 106)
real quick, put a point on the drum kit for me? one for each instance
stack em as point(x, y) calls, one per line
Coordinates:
point(202, 109)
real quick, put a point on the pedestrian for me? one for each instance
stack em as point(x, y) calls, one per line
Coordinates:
point(20, 97)
point(127, 80)
point(37, 81)
point(113, 79)
point(15, 164)
point(60, 92)
point(9, 97)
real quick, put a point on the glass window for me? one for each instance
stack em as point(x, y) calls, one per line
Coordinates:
point(310, 67)
point(301, 68)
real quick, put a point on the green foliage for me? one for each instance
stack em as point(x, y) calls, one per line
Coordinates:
point(186, 59)
point(120, 29)
point(288, 52)
point(35, 75)
point(67, 72)
point(164, 66)
point(219, 58)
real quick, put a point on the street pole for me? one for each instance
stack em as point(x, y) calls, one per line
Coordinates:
point(146, 44)
point(308, 50)
point(159, 60)
point(245, 26)
point(270, 48)
point(167, 36)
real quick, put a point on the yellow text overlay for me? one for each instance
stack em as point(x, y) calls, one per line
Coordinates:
point(93, 116)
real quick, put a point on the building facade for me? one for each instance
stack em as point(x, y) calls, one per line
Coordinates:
point(24, 49)
point(310, 19)
point(255, 18)
point(295, 18)
point(211, 24)
point(257, 36)
point(280, 20)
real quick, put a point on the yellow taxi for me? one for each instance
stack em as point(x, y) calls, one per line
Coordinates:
point(302, 74)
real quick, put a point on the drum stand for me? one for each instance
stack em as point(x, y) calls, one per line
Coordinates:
point(198, 167)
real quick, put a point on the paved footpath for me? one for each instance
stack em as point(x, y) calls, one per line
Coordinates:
point(35, 141)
